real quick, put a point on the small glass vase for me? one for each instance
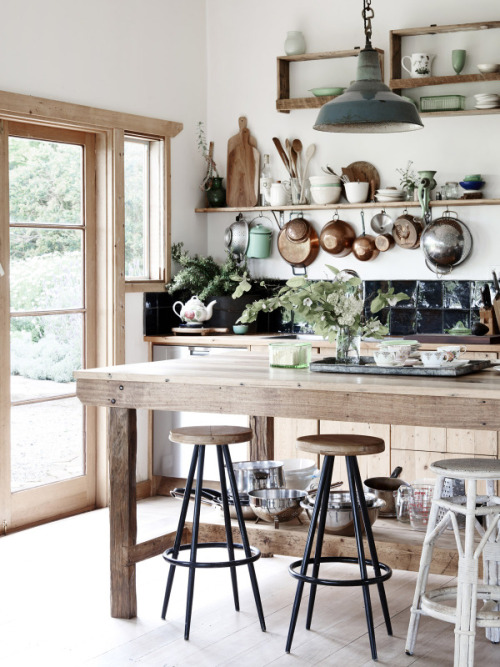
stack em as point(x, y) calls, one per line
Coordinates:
point(348, 346)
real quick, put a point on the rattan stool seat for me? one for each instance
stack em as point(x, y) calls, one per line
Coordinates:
point(341, 444)
point(467, 468)
point(210, 435)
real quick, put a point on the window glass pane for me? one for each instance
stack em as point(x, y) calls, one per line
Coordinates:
point(136, 208)
point(45, 348)
point(45, 182)
point(46, 269)
point(47, 442)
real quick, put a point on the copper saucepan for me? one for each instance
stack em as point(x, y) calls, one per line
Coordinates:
point(364, 247)
point(407, 231)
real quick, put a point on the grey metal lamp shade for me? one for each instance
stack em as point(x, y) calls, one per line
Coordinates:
point(368, 105)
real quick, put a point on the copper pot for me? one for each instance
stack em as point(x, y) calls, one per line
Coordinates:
point(337, 237)
point(364, 247)
point(298, 242)
point(384, 242)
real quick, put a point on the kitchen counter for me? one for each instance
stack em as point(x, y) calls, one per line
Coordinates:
point(258, 342)
point(238, 382)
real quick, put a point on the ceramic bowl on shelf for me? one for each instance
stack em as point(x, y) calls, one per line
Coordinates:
point(321, 92)
point(356, 193)
point(326, 194)
point(487, 68)
point(471, 185)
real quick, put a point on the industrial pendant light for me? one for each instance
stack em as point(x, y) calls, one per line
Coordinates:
point(368, 105)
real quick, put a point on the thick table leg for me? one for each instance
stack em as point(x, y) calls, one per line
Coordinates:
point(262, 444)
point(122, 431)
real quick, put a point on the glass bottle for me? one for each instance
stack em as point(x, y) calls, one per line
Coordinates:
point(266, 179)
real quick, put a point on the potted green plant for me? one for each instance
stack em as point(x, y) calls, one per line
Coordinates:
point(204, 277)
point(333, 308)
point(408, 180)
point(212, 182)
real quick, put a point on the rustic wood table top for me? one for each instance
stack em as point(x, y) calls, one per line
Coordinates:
point(239, 383)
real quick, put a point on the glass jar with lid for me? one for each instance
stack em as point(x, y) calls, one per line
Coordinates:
point(451, 190)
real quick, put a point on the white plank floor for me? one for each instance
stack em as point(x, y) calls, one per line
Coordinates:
point(54, 610)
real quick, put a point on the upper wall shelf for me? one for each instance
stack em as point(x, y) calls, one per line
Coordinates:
point(332, 207)
point(284, 104)
point(397, 83)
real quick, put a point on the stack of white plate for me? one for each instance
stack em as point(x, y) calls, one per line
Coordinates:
point(487, 101)
point(390, 194)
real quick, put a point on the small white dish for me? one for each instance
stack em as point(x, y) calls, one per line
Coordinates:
point(487, 68)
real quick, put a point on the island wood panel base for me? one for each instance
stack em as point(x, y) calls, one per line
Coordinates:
point(453, 411)
point(291, 542)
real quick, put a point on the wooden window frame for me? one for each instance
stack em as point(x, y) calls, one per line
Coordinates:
point(109, 129)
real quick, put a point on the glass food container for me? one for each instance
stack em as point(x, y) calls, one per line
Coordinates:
point(296, 354)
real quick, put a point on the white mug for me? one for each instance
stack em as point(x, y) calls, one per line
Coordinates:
point(452, 351)
point(433, 358)
point(278, 195)
point(420, 64)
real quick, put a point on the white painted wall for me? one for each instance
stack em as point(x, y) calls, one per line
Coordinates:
point(243, 42)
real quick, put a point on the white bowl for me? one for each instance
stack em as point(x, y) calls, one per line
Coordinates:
point(324, 180)
point(356, 193)
point(325, 194)
point(487, 68)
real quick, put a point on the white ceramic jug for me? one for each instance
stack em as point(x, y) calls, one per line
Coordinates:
point(420, 64)
point(278, 195)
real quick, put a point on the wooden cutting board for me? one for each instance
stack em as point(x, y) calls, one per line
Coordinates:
point(243, 160)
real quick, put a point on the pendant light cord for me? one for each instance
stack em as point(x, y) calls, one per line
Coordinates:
point(367, 15)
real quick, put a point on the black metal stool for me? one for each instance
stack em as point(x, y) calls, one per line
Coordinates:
point(349, 446)
point(221, 437)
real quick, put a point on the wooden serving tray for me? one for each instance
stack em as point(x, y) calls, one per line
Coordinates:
point(367, 365)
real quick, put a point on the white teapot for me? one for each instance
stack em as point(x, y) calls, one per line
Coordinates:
point(193, 311)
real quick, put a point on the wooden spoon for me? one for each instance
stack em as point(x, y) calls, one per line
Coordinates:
point(288, 146)
point(309, 153)
point(297, 149)
point(282, 153)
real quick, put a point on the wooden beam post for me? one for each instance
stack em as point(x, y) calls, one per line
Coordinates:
point(122, 510)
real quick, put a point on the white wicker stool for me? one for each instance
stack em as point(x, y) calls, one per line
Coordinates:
point(464, 615)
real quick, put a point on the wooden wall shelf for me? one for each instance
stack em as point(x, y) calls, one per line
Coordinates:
point(332, 207)
point(285, 104)
point(397, 83)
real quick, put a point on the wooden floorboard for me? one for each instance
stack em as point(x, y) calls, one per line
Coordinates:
point(54, 609)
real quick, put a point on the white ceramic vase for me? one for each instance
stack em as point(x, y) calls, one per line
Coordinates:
point(295, 44)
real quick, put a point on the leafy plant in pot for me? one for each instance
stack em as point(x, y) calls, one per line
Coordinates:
point(333, 308)
point(204, 277)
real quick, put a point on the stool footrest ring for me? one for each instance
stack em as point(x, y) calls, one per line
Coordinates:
point(339, 582)
point(167, 555)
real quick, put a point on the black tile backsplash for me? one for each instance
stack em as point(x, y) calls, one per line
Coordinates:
point(433, 307)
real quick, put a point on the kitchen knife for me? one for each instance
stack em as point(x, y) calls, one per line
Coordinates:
point(496, 299)
point(497, 286)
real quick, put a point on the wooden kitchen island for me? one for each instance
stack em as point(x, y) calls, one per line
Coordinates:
point(240, 383)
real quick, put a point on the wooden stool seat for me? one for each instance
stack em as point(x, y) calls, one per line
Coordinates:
point(221, 437)
point(350, 446)
point(343, 444)
point(211, 435)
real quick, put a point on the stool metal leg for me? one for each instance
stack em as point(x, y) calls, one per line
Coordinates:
point(307, 554)
point(194, 539)
point(323, 501)
point(371, 543)
point(180, 528)
point(361, 557)
point(423, 570)
point(227, 524)
point(244, 536)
